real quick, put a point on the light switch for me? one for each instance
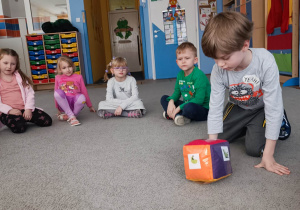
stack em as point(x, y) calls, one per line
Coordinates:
point(78, 20)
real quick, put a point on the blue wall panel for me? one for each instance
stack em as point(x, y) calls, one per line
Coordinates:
point(165, 56)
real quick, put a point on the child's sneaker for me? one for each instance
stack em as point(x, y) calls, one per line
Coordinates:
point(166, 116)
point(181, 120)
point(105, 114)
point(285, 130)
point(135, 114)
point(73, 121)
point(62, 117)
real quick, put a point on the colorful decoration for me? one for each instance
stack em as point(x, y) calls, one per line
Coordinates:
point(207, 160)
point(123, 27)
point(173, 4)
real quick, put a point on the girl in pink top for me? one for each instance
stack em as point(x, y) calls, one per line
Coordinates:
point(70, 92)
point(17, 96)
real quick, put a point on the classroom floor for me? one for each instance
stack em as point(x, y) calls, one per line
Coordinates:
point(123, 163)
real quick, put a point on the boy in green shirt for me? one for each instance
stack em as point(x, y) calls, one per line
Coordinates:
point(194, 87)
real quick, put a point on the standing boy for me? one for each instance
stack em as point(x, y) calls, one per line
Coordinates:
point(192, 84)
point(255, 107)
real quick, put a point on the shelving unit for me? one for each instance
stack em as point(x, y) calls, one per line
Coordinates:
point(44, 50)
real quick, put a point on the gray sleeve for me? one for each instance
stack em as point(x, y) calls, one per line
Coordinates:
point(216, 103)
point(272, 97)
point(134, 94)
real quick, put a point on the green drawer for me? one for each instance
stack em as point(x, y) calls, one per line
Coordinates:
point(40, 47)
point(50, 47)
point(37, 62)
point(52, 75)
point(54, 41)
point(54, 36)
point(77, 68)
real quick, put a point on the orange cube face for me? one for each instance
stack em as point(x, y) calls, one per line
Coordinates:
point(207, 160)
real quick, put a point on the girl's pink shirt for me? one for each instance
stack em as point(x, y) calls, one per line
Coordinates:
point(72, 85)
point(27, 96)
point(11, 94)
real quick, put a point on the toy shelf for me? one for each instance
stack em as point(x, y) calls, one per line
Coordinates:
point(44, 50)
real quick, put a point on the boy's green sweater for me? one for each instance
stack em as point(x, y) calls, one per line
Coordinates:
point(193, 88)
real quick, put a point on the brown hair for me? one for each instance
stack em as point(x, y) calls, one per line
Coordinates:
point(226, 33)
point(115, 62)
point(6, 51)
point(65, 59)
point(186, 45)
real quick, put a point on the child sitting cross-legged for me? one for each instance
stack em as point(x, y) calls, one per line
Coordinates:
point(70, 92)
point(122, 96)
point(192, 84)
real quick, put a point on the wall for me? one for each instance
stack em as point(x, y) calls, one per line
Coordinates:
point(17, 8)
point(76, 8)
point(5, 8)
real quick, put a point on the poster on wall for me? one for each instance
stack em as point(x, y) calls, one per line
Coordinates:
point(181, 26)
point(207, 9)
point(169, 26)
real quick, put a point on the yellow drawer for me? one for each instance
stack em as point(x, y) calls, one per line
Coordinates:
point(69, 50)
point(77, 72)
point(42, 76)
point(69, 45)
point(51, 61)
point(76, 63)
point(68, 35)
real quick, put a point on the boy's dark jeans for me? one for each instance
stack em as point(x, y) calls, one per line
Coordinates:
point(190, 110)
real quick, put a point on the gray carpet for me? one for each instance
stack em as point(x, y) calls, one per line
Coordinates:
point(122, 163)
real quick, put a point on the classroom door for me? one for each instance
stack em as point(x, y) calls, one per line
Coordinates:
point(125, 39)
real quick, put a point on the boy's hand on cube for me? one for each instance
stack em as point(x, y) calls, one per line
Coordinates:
point(118, 111)
point(27, 114)
point(269, 163)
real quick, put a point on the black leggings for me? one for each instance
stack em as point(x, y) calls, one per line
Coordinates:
point(17, 123)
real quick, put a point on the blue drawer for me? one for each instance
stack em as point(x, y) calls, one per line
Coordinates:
point(75, 59)
point(66, 41)
point(53, 56)
point(35, 58)
point(38, 72)
point(34, 43)
point(40, 52)
point(52, 66)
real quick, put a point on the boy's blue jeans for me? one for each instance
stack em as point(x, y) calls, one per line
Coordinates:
point(190, 110)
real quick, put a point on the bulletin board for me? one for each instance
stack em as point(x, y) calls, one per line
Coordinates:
point(207, 9)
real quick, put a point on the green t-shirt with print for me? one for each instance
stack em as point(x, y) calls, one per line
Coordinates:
point(194, 88)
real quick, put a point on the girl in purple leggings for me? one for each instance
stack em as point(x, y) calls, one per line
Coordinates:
point(70, 92)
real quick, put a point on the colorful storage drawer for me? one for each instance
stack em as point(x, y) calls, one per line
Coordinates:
point(207, 160)
point(68, 35)
point(69, 50)
point(49, 47)
point(33, 67)
point(75, 59)
point(51, 61)
point(51, 80)
point(51, 75)
point(34, 58)
point(70, 55)
point(55, 41)
point(51, 71)
point(35, 43)
point(53, 51)
point(76, 63)
point(77, 68)
point(38, 72)
point(34, 38)
point(40, 52)
point(40, 81)
point(76, 72)
point(69, 45)
point(53, 56)
point(37, 62)
point(36, 47)
point(52, 66)
point(54, 36)
point(42, 76)
point(68, 41)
